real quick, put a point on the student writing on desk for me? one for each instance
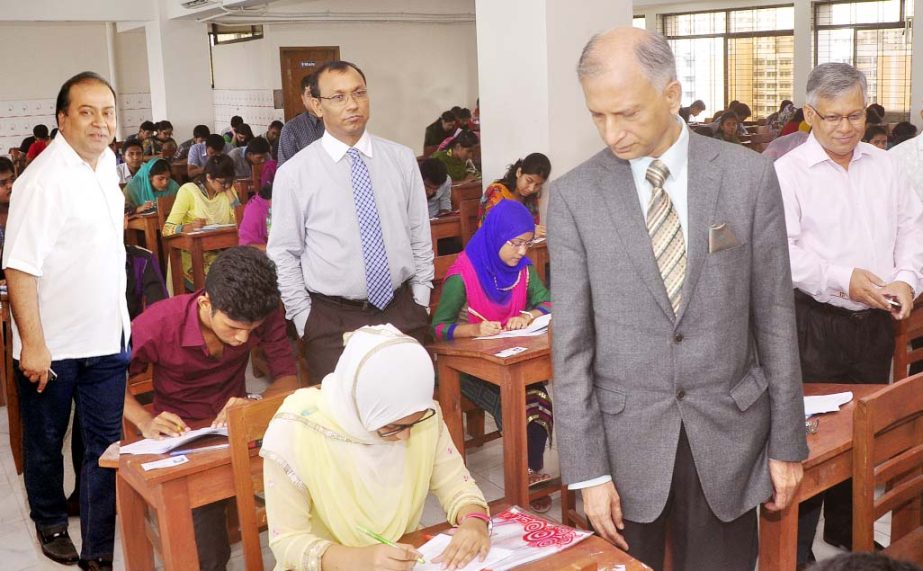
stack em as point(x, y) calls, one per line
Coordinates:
point(199, 345)
point(496, 285)
point(523, 183)
point(363, 450)
point(152, 181)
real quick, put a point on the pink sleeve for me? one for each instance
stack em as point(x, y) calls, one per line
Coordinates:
point(253, 227)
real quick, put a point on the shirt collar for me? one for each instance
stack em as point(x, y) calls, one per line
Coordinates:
point(676, 157)
point(70, 156)
point(337, 148)
point(815, 153)
point(191, 330)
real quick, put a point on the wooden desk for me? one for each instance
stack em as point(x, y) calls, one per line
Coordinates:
point(512, 375)
point(148, 225)
point(196, 243)
point(591, 553)
point(540, 259)
point(444, 227)
point(10, 390)
point(470, 190)
point(171, 493)
point(829, 463)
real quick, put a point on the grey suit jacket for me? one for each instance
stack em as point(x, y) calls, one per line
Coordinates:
point(628, 373)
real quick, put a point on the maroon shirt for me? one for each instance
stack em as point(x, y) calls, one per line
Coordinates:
point(187, 380)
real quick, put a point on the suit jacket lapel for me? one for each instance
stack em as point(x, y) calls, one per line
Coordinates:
point(704, 186)
point(622, 201)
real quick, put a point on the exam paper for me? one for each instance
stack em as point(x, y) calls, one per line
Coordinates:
point(164, 445)
point(825, 403)
point(538, 327)
point(435, 546)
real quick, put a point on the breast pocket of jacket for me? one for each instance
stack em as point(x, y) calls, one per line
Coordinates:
point(610, 401)
point(727, 273)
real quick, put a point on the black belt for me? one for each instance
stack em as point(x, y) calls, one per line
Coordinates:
point(359, 304)
point(804, 298)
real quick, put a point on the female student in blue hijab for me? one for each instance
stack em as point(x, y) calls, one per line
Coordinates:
point(152, 181)
point(491, 287)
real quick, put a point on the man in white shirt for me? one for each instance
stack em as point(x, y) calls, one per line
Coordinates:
point(132, 152)
point(350, 229)
point(910, 155)
point(855, 238)
point(65, 267)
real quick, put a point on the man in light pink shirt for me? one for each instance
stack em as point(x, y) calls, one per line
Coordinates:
point(855, 236)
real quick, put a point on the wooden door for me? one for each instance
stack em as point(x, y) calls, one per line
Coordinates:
point(296, 63)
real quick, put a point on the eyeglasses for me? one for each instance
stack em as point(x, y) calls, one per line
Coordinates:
point(520, 244)
point(226, 183)
point(7, 181)
point(428, 414)
point(834, 120)
point(340, 99)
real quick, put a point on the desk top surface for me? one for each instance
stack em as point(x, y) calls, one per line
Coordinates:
point(834, 430)
point(536, 347)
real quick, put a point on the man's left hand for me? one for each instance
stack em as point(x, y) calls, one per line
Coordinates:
point(904, 295)
point(786, 477)
point(222, 419)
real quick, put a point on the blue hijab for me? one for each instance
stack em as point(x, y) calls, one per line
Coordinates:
point(506, 220)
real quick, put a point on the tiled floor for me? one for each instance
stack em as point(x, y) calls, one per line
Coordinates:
point(19, 550)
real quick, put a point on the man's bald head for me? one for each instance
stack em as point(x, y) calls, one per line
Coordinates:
point(644, 51)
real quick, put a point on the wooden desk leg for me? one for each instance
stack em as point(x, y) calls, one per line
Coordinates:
point(198, 265)
point(515, 445)
point(450, 402)
point(779, 538)
point(137, 551)
point(176, 270)
point(151, 242)
point(177, 535)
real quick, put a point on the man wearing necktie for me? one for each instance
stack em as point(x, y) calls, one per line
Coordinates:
point(676, 377)
point(350, 226)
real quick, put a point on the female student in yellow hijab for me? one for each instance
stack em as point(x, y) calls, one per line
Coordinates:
point(363, 450)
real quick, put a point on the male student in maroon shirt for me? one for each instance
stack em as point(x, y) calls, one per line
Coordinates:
point(199, 345)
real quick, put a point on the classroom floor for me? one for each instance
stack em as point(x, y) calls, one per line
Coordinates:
point(19, 549)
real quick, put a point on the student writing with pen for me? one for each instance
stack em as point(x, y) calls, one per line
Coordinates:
point(199, 345)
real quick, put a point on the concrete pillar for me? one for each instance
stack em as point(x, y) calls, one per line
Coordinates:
point(180, 73)
point(804, 56)
point(916, 68)
point(113, 73)
point(530, 98)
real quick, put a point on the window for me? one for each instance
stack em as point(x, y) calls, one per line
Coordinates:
point(229, 34)
point(745, 54)
point(639, 22)
point(874, 36)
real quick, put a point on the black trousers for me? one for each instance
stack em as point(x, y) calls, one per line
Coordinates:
point(838, 346)
point(330, 318)
point(699, 539)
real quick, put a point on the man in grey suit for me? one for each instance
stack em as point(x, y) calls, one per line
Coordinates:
point(677, 382)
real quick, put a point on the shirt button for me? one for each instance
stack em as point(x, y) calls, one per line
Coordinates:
point(680, 394)
point(678, 338)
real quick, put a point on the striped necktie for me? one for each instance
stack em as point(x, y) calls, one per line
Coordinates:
point(666, 234)
point(377, 271)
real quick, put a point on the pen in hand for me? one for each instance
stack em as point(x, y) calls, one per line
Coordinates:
point(381, 539)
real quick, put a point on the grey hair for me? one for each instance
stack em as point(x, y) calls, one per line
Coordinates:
point(652, 52)
point(831, 80)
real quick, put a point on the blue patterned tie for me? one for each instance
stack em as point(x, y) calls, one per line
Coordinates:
point(377, 271)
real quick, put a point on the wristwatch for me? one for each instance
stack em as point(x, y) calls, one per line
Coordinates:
point(483, 517)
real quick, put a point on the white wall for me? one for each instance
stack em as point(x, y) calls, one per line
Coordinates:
point(414, 70)
point(131, 61)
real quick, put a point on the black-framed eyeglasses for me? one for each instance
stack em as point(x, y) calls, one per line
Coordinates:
point(225, 182)
point(398, 428)
point(834, 120)
point(340, 99)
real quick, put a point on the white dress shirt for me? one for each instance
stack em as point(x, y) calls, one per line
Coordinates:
point(65, 228)
point(866, 217)
point(910, 155)
point(677, 187)
point(315, 240)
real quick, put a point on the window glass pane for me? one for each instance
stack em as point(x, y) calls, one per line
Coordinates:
point(639, 22)
point(858, 13)
point(835, 46)
point(700, 70)
point(760, 72)
point(762, 19)
point(884, 57)
point(694, 24)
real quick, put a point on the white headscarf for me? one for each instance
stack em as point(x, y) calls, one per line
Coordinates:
point(382, 376)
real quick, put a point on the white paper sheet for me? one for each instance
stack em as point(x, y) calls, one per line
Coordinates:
point(435, 546)
point(164, 445)
point(825, 403)
point(538, 327)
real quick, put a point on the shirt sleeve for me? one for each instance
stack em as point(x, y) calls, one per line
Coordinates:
point(182, 205)
point(810, 273)
point(589, 483)
point(286, 246)
point(538, 294)
point(421, 238)
point(288, 513)
point(194, 158)
point(249, 231)
point(451, 301)
point(143, 345)
point(278, 349)
point(445, 195)
point(37, 216)
point(451, 481)
point(908, 247)
point(287, 146)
